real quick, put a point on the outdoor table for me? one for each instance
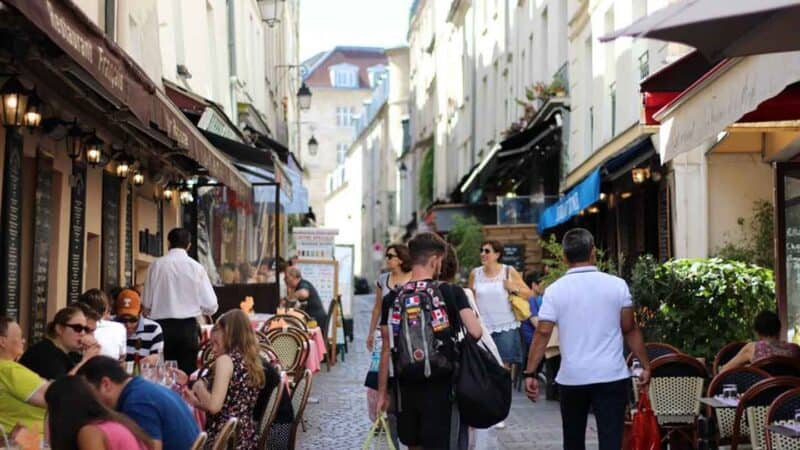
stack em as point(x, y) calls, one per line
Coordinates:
point(792, 431)
point(715, 402)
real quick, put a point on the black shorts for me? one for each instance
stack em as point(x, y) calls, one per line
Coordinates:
point(425, 414)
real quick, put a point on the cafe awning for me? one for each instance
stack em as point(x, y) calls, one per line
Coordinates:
point(583, 195)
point(125, 84)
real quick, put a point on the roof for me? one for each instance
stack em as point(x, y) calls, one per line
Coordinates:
point(363, 57)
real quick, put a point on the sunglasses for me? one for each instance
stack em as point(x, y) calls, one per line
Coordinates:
point(78, 328)
point(486, 251)
point(128, 319)
point(390, 256)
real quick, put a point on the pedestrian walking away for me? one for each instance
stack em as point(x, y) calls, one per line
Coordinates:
point(419, 321)
point(176, 293)
point(593, 311)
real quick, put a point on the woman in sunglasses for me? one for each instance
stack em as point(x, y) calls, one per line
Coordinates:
point(59, 353)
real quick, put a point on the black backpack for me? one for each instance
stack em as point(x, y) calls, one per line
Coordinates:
point(483, 387)
point(423, 336)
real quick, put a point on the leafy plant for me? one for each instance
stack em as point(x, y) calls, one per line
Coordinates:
point(756, 245)
point(466, 237)
point(699, 305)
point(556, 267)
point(426, 179)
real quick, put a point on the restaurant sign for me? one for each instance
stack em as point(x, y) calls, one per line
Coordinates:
point(42, 234)
point(77, 222)
point(10, 224)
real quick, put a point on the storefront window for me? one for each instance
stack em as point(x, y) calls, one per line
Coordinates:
point(791, 210)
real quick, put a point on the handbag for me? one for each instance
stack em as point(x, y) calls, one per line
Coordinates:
point(483, 387)
point(380, 429)
point(645, 433)
point(519, 306)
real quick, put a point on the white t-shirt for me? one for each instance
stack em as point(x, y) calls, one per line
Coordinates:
point(112, 338)
point(586, 304)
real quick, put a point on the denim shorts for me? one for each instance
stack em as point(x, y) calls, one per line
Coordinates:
point(509, 345)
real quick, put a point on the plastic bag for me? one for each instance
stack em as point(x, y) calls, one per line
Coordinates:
point(379, 431)
point(645, 433)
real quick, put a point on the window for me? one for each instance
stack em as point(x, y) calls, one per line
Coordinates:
point(391, 205)
point(612, 92)
point(344, 116)
point(591, 129)
point(644, 65)
point(376, 73)
point(344, 76)
point(341, 153)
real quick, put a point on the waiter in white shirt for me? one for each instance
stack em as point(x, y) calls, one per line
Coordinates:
point(178, 291)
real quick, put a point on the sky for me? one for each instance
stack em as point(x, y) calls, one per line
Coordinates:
point(325, 24)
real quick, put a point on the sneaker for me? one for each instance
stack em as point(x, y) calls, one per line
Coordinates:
point(500, 425)
point(313, 400)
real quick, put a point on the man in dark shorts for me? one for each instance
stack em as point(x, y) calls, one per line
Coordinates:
point(425, 407)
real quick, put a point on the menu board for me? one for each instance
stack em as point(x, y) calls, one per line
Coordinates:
point(323, 275)
point(514, 256)
point(314, 243)
point(345, 256)
point(77, 224)
point(110, 224)
point(42, 233)
point(10, 226)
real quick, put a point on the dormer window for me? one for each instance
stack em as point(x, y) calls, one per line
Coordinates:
point(376, 73)
point(344, 76)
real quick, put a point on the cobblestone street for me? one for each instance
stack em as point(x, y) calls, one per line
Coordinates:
point(340, 419)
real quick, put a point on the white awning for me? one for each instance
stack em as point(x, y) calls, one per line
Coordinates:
point(719, 99)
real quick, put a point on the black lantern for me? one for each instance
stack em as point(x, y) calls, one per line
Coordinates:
point(14, 99)
point(168, 193)
point(138, 178)
point(313, 146)
point(94, 151)
point(269, 12)
point(74, 142)
point(33, 116)
point(186, 196)
point(304, 97)
point(123, 168)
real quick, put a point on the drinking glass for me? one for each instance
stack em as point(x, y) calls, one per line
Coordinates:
point(729, 391)
point(170, 372)
point(636, 367)
point(149, 371)
point(797, 416)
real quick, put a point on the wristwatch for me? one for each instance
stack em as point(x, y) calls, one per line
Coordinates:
point(529, 374)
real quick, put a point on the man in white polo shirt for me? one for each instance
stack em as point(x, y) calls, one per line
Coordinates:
point(593, 311)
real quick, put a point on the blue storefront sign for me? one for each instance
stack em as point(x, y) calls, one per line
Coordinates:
point(583, 195)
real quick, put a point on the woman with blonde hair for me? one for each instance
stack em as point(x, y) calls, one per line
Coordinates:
point(237, 378)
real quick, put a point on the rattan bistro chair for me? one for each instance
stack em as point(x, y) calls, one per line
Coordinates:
point(200, 441)
point(782, 411)
point(226, 440)
point(676, 385)
point(744, 378)
point(299, 401)
point(754, 404)
point(778, 366)
point(726, 354)
point(655, 350)
point(291, 348)
point(270, 412)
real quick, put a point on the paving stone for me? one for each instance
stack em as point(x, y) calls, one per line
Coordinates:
point(340, 420)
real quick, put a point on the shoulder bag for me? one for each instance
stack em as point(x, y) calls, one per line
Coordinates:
point(519, 306)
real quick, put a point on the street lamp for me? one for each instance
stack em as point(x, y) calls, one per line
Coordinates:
point(94, 151)
point(304, 97)
point(123, 168)
point(74, 142)
point(168, 193)
point(14, 100)
point(270, 17)
point(186, 196)
point(33, 116)
point(138, 178)
point(313, 146)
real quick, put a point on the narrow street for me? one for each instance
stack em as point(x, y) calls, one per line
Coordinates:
point(340, 419)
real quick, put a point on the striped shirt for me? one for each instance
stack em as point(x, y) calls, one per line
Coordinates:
point(149, 331)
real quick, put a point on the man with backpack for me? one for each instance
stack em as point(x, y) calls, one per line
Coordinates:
point(420, 321)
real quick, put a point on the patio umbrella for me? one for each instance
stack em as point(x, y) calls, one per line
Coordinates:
point(723, 28)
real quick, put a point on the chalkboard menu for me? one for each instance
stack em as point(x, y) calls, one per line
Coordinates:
point(110, 241)
point(42, 233)
point(77, 224)
point(514, 256)
point(129, 236)
point(664, 223)
point(10, 226)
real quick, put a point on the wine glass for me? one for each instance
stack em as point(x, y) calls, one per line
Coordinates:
point(170, 372)
point(149, 371)
point(636, 367)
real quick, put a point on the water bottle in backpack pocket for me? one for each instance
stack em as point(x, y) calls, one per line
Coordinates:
point(423, 338)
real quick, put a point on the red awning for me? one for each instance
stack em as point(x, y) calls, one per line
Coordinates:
point(117, 73)
point(663, 86)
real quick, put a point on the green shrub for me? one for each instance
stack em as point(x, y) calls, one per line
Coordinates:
point(553, 261)
point(467, 236)
point(755, 246)
point(699, 305)
point(426, 179)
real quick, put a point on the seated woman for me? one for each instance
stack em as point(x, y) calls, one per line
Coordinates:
point(767, 326)
point(58, 354)
point(21, 390)
point(77, 420)
point(237, 378)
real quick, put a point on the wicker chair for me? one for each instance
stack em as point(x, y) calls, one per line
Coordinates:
point(300, 314)
point(743, 378)
point(227, 437)
point(299, 400)
point(726, 354)
point(655, 350)
point(778, 366)
point(270, 412)
point(753, 405)
point(281, 321)
point(291, 348)
point(200, 441)
point(782, 411)
point(206, 355)
point(675, 388)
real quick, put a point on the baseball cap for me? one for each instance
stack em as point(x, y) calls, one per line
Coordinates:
point(128, 303)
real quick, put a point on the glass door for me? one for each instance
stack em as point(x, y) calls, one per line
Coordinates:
point(788, 247)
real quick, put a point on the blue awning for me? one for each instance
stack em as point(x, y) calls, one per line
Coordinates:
point(583, 195)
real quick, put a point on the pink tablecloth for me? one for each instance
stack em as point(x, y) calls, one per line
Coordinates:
point(316, 350)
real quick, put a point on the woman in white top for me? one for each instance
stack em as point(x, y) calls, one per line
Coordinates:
point(398, 263)
point(492, 283)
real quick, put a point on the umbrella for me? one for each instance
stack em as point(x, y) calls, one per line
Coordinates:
point(723, 28)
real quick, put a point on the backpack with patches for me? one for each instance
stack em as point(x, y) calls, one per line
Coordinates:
point(422, 335)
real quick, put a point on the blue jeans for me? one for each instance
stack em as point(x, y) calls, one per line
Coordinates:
point(509, 345)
